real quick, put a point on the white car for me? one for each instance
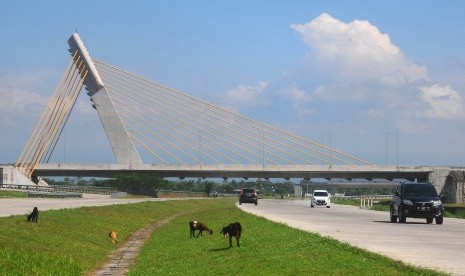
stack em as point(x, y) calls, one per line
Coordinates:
point(320, 197)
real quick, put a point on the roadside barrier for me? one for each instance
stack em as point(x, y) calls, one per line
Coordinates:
point(366, 202)
point(59, 189)
point(53, 194)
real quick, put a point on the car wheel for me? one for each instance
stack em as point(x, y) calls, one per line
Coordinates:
point(439, 220)
point(240, 203)
point(256, 202)
point(402, 217)
point(392, 216)
point(429, 220)
point(312, 206)
point(328, 206)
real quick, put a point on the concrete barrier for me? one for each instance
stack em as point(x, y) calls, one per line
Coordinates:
point(53, 194)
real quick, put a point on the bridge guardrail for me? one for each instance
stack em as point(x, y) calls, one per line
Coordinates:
point(53, 194)
point(59, 189)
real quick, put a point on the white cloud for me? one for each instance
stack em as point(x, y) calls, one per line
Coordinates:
point(357, 50)
point(299, 98)
point(342, 92)
point(296, 94)
point(20, 99)
point(358, 63)
point(242, 96)
point(24, 97)
point(17, 94)
point(443, 101)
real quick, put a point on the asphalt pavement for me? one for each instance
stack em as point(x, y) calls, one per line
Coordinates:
point(439, 247)
point(23, 206)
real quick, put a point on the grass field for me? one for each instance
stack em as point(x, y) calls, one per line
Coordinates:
point(75, 242)
point(6, 193)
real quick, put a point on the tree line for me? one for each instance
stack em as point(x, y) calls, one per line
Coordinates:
point(142, 184)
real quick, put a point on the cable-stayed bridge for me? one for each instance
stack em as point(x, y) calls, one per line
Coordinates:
point(186, 136)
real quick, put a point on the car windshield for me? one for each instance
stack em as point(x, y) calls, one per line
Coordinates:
point(320, 194)
point(248, 190)
point(419, 190)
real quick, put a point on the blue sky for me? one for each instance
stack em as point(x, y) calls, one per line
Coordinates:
point(371, 73)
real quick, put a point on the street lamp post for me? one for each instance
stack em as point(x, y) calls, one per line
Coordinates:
point(386, 146)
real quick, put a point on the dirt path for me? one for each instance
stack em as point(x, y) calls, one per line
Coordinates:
point(125, 256)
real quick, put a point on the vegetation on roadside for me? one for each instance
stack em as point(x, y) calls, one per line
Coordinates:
point(136, 183)
point(75, 242)
point(455, 210)
point(267, 248)
point(378, 205)
point(6, 193)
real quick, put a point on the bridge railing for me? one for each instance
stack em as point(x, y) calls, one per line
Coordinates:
point(59, 189)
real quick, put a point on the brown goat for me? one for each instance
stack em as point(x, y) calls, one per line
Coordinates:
point(197, 225)
point(112, 236)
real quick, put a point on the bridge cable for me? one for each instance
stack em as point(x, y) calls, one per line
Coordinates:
point(211, 133)
point(233, 130)
point(178, 132)
point(253, 132)
point(179, 119)
point(54, 121)
point(243, 134)
point(200, 122)
point(173, 129)
point(62, 117)
point(213, 107)
point(176, 111)
point(167, 133)
point(61, 126)
point(39, 136)
point(20, 161)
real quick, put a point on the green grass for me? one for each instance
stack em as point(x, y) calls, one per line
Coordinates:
point(267, 248)
point(378, 205)
point(75, 242)
point(455, 210)
point(6, 193)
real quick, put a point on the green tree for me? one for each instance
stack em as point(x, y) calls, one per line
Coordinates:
point(138, 184)
point(209, 185)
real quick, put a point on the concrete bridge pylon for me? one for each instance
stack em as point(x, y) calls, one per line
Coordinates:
point(123, 147)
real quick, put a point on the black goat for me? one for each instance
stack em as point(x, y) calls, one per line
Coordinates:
point(232, 230)
point(34, 216)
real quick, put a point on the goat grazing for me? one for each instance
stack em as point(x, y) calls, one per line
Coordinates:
point(232, 230)
point(34, 216)
point(112, 236)
point(197, 225)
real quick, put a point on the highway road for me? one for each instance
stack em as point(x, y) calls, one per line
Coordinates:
point(23, 206)
point(440, 247)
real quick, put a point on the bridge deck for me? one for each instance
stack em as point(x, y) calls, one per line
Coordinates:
point(239, 171)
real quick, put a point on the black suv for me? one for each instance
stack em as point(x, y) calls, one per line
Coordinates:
point(248, 195)
point(416, 200)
